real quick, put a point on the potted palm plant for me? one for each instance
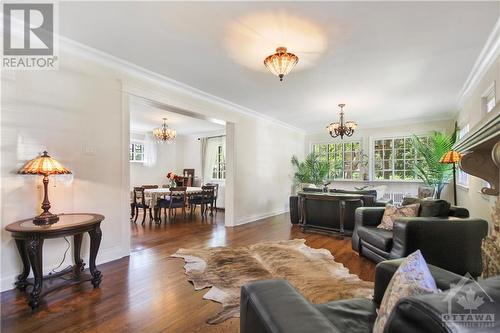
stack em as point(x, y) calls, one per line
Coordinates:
point(313, 170)
point(430, 150)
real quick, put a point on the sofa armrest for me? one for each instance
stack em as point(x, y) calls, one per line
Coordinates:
point(386, 269)
point(456, 211)
point(365, 216)
point(450, 243)
point(368, 216)
point(274, 306)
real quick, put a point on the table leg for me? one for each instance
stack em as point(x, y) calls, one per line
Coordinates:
point(342, 217)
point(34, 247)
point(22, 282)
point(77, 245)
point(95, 241)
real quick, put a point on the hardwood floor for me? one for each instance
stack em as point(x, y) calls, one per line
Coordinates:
point(148, 291)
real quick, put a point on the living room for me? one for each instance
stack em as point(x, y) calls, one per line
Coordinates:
point(381, 104)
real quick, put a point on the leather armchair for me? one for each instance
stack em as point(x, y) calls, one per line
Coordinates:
point(451, 243)
point(275, 306)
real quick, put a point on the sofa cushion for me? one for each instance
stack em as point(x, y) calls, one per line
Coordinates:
point(392, 212)
point(351, 315)
point(411, 278)
point(434, 208)
point(379, 238)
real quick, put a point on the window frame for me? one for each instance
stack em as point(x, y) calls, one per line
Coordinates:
point(131, 151)
point(462, 176)
point(219, 168)
point(343, 143)
point(485, 97)
point(372, 170)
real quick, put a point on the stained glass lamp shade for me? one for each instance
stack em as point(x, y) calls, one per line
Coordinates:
point(44, 165)
point(452, 157)
point(281, 63)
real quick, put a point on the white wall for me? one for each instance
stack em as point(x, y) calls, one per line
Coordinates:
point(366, 137)
point(79, 113)
point(480, 205)
point(76, 114)
point(170, 157)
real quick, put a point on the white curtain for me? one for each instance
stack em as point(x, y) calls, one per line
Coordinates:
point(209, 147)
point(150, 150)
point(203, 147)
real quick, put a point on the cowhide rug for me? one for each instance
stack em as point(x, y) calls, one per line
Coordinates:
point(313, 272)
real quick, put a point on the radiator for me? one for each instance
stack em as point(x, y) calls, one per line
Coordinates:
point(396, 197)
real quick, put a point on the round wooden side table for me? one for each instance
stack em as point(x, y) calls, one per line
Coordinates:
point(29, 241)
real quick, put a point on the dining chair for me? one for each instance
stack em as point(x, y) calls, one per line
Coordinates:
point(203, 199)
point(175, 199)
point(216, 193)
point(140, 202)
point(149, 186)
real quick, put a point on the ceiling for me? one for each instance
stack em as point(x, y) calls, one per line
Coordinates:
point(144, 118)
point(388, 61)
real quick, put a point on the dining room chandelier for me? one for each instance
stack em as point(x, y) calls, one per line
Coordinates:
point(281, 63)
point(342, 127)
point(164, 133)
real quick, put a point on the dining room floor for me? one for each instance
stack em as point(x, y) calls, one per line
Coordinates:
point(148, 290)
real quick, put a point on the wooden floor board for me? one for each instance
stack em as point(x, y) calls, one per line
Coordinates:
point(148, 291)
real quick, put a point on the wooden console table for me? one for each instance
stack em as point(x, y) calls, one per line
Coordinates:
point(341, 198)
point(29, 241)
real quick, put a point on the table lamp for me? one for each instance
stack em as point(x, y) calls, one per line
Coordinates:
point(452, 157)
point(44, 165)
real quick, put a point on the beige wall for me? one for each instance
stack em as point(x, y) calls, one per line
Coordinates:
point(480, 205)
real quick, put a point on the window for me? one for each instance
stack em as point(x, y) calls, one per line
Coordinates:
point(343, 158)
point(219, 167)
point(489, 98)
point(462, 176)
point(136, 152)
point(395, 159)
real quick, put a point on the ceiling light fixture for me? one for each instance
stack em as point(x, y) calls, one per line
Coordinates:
point(341, 128)
point(281, 63)
point(164, 134)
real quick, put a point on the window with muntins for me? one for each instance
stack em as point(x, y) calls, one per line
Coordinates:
point(219, 168)
point(136, 152)
point(395, 159)
point(343, 158)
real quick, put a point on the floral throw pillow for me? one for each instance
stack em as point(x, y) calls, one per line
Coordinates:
point(412, 278)
point(392, 212)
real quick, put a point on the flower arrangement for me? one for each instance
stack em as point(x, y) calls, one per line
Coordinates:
point(174, 178)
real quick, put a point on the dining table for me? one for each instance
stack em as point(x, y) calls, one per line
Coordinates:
point(151, 195)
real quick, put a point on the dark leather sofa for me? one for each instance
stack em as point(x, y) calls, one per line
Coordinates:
point(274, 306)
point(444, 234)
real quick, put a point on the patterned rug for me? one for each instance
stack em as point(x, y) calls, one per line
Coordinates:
point(313, 272)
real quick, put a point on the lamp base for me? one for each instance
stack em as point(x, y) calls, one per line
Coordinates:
point(45, 218)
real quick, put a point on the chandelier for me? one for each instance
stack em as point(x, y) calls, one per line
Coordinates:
point(281, 63)
point(341, 128)
point(163, 133)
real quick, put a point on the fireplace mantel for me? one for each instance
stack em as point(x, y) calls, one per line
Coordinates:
point(481, 151)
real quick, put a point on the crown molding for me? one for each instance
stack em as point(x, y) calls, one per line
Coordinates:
point(134, 71)
point(488, 55)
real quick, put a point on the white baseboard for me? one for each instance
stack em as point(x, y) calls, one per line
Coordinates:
point(256, 217)
point(104, 256)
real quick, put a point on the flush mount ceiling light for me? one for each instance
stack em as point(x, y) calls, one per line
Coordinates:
point(164, 134)
point(281, 63)
point(341, 128)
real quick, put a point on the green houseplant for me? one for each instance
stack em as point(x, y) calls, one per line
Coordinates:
point(313, 170)
point(430, 150)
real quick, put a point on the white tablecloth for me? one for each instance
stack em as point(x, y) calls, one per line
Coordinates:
point(152, 194)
